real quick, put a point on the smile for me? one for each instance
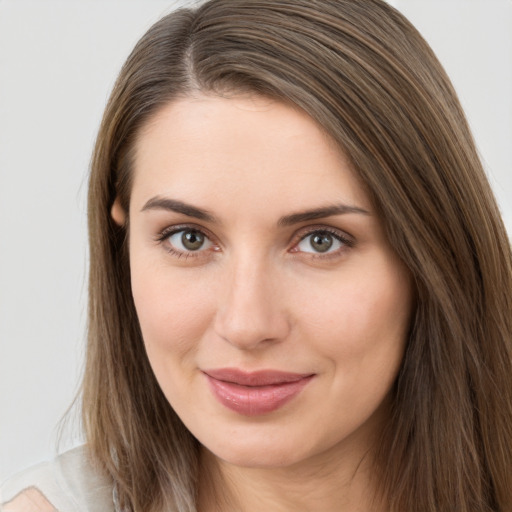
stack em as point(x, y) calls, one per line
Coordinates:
point(255, 393)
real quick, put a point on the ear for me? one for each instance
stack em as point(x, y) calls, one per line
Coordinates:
point(117, 213)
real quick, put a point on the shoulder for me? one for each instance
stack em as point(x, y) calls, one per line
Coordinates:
point(69, 483)
point(29, 500)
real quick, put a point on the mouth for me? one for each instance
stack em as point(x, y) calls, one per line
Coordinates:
point(255, 393)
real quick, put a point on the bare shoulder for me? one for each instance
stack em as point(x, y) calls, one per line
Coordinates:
point(29, 500)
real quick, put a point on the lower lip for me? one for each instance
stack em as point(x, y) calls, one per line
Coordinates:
point(256, 400)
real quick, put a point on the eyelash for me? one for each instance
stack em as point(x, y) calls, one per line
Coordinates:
point(346, 241)
point(164, 235)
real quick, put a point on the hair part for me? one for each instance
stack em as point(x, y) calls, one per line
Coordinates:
point(369, 79)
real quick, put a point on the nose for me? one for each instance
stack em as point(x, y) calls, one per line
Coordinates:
point(251, 312)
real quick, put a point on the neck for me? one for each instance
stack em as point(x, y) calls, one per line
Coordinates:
point(332, 482)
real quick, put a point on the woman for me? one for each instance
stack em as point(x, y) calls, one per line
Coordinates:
point(300, 285)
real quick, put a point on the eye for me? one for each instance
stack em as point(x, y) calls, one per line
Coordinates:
point(188, 240)
point(322, 242)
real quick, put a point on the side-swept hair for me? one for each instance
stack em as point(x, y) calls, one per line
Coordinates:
point(369, 79)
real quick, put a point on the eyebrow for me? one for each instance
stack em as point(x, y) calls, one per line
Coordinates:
point(320, 213)
point(162, 203)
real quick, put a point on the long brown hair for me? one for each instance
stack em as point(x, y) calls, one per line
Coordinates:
point(364, 73)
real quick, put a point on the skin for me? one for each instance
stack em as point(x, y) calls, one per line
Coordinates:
point(257, 295)
point(29, 499)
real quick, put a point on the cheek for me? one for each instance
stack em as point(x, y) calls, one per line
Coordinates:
point(173, 312)
point(362, 323)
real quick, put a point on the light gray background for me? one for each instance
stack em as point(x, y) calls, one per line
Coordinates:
point(58, 62)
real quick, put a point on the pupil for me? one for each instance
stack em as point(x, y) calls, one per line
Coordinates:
point(192, 240)
point(322, 243)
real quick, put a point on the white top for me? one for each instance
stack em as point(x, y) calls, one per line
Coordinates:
point(67, 484)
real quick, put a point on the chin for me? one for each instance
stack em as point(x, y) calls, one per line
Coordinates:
point(257, 451)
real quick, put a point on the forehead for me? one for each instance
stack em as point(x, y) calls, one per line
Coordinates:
point(244, 149)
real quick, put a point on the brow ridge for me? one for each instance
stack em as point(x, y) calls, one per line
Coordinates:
point(164, 203)
point(320, 213)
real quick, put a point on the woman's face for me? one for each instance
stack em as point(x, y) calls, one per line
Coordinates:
point(274, 312)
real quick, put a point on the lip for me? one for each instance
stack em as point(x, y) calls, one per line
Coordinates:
point(255, 393)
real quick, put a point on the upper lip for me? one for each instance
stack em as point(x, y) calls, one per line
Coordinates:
point(256, 378)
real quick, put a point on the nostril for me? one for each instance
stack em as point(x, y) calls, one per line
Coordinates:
point(249, 327)
point(250, 312)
